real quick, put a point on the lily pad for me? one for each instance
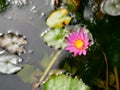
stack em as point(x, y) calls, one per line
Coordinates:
point(8, 63)
point(56, 37)
point(63, 82)
point(58, 18)
point(13, 42)
point(111, 7)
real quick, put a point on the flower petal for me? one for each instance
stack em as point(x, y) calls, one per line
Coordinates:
point(84, 52)
point(77, 36)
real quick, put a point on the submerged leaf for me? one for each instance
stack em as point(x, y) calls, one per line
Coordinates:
point(63, 82)
point(111, 79)
point(100, 83)
point(8, 63)
point(28, 73)
point(56, 37)
point(58, 18)
point(44, 62)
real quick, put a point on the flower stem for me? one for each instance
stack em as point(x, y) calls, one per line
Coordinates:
point(49, 67)
point(117, 79)
point(106, 62)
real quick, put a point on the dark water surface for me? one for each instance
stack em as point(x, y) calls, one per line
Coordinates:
point(30, 22)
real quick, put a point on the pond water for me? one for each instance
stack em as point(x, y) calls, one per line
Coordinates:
point(28, 20)
point(27, 17)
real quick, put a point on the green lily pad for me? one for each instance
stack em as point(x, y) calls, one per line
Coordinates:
point(56, 37)
point(58, 18)
point(63, 82)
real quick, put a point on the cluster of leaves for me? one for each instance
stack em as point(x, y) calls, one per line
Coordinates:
point(55, 35)
point(104, 55)
point(91, 68)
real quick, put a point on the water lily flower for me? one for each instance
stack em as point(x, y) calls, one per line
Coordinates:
point(78, 42)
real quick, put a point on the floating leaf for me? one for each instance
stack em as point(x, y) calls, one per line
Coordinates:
point(8, 63)
point(56, 37)
point(58, 18)
point(63, 82)
point(29, 73)
point(13, 42)
point(111, 7)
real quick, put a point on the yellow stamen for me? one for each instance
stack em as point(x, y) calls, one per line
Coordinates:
point(79, 43)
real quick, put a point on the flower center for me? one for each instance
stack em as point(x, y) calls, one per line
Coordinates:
point(79, 43)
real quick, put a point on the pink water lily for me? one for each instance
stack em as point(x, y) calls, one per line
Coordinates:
point(77, 42)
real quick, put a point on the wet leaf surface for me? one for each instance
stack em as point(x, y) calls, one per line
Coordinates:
point(62, 82)
point(56, 37)
point(58, 18)
point(9, 63)
point(29, 74)
point(13, 42)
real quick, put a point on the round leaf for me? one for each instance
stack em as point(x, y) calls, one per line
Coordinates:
point(58, 18)
point(56, 37)
point(63, 82)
